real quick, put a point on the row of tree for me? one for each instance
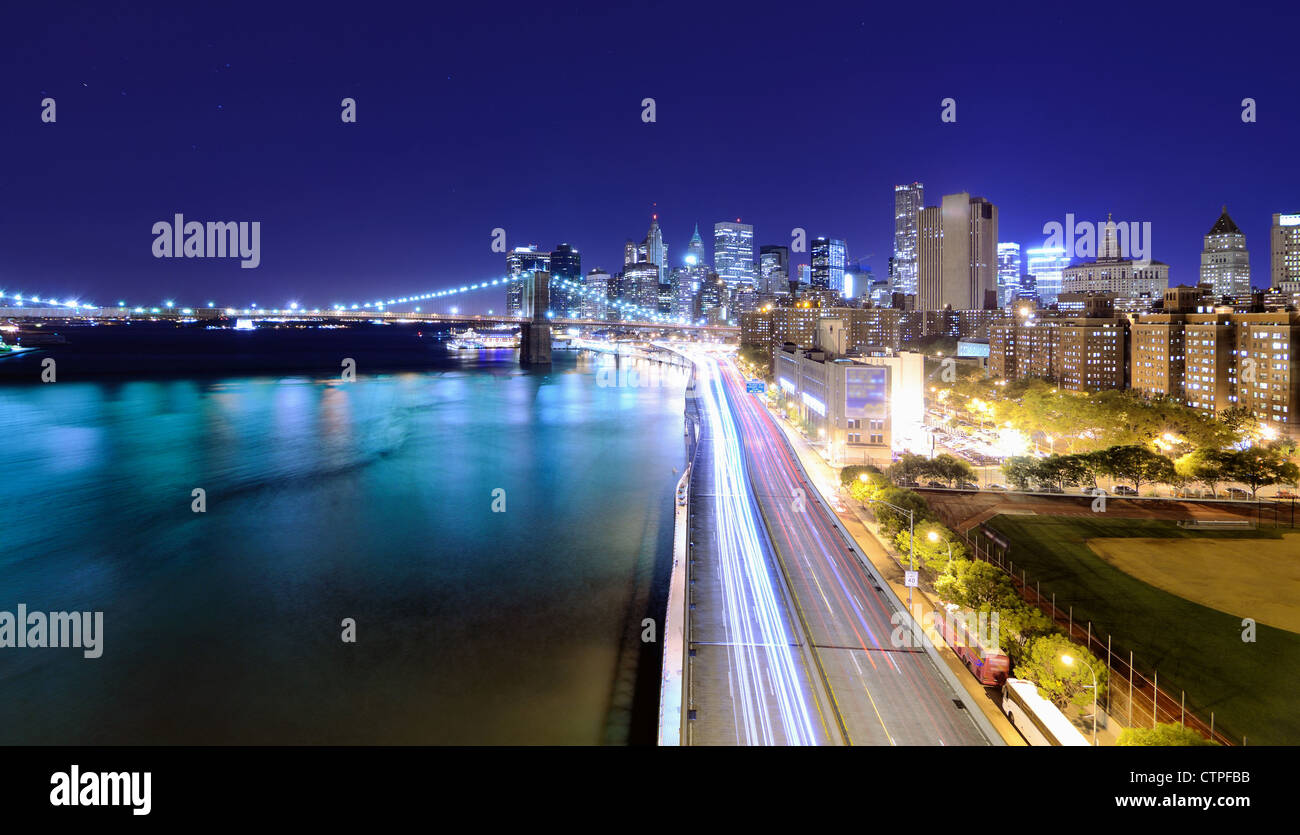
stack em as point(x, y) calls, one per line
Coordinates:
point(1257, 466)
point(1089, 421)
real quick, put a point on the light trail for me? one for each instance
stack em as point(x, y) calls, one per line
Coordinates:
point(884, 692)
point(753, 617)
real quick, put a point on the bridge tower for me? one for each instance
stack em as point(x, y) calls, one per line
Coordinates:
point(535, 335)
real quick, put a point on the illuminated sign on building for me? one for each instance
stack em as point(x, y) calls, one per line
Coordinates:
point(1288, 220)
point(866, 391)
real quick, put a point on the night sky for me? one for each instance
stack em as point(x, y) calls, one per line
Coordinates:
point(528, 117)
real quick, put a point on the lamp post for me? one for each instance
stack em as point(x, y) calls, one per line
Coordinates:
point(934, 536)
point(1069, 662)
point(911, 540)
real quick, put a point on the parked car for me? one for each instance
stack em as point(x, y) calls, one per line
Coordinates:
point(966, 485)
point(934, 484)
point(908, 483)
point(1050, 488)
point(997, 487)
point(1237, 494)
point(1286, 494)
point(1124, 490)
point(1188, 493)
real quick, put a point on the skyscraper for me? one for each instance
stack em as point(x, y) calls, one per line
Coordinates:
point(1225, 262)
point(1008, 273)
point(1285, 240)
point(908, 202)
point(774, 270)
point(1045, 264)
point(957, 253)
point(655, 251)
point(1113, 273)
point(828, 264)
point(566, 265)
point(695, 254)
point(595, 304)
point(520, 260)
point(733, 253)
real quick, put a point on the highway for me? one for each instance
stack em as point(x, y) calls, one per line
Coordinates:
point(865, 688)
point(749, 682)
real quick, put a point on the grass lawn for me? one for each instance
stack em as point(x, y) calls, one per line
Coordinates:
point(1251, 687)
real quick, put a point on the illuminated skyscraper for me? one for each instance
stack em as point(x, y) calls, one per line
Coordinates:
point(774, 270)
point(520, 260)
point(566, 264)
point(655, 250)
point(733, 253)
point(957, 253)
point(1045, 265)
point(1285, 240)
point(908, 202)
point(828, 264)
point(695, 254)
point(1008, 273)
point(1225, 262)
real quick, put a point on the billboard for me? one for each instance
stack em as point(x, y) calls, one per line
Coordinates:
point(866, 391)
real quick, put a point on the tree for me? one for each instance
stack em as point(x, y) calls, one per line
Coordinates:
point(1165, 734)
point(931, 552)
point(1020, 470)
point(866, 489)
point(1057, 681)
point(891, 521)
point(1260, 466)
point(1019, 624)
point(854, 472)
point(950, 468)
point(1136, 464)
point(910, 467)
point(974, 584)
point(1207, 466)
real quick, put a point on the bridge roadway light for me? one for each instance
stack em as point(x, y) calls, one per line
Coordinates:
point(1068, 661)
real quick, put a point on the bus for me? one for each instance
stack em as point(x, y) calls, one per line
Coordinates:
point(1039, 721)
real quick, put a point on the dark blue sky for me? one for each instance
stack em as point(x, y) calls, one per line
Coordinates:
point(527, 117)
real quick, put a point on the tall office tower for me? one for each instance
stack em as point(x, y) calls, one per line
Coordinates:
point(595, 304)
point(1225, 261)
point(633, 252)
point(1045, 264)
point(686, 282)
point(566, 265)
point(1285, 240)
point(908, 203)
point(520, 260)
point(654, 251)
point(733, 253)
point(957, 253)
point(696, 256)
point(828, 264)
point(641, 287)
point(1008, 273)
point(774, 270)
point(711, 302)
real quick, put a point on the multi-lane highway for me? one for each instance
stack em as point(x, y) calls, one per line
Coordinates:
point(790, 579)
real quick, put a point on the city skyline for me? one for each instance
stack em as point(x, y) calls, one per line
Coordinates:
point(406, 198)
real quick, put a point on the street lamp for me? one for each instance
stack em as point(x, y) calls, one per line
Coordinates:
point(1069, 660)
point(911, 540)
point(933, 536)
